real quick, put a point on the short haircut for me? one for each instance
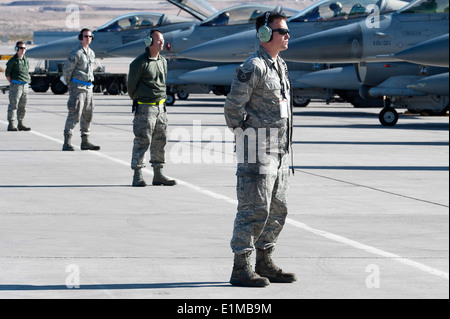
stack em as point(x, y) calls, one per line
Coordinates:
point(84, 30)
point(154, 31)
point(274, 15)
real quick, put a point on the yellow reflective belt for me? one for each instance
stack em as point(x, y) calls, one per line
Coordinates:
point(159, 103)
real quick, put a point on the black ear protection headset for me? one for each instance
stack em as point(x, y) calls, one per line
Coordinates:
point(81, 35)
point(265, 33)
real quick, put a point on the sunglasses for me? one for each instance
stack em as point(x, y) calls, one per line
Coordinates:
point(88, 36)
point(21, 48)
point(282, 31)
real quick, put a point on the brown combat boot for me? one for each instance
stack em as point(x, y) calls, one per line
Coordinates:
point(265, 267)
point(159, 179)
point(243, 274)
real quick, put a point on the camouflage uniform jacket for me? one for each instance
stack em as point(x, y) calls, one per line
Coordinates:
point(79, 65)
point(254, 100)
point(18, 69)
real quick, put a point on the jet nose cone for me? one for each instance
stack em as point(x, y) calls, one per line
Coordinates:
point(342, 44)
point(55, 50)
point(230, 49)
point(129, 50)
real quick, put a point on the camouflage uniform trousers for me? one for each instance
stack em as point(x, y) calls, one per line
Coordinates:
point(18, 98)
point(150, 128)
point(80, 101)
point(262, 208)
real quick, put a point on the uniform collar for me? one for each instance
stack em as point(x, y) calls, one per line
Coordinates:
point(84, 50)
point(265, 54)
point(147, 51)
point(17, 57)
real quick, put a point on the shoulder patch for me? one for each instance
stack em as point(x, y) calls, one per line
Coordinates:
point(244, 77)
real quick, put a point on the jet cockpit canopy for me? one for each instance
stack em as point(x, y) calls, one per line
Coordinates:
point(427, 6)
point(243, 14)
point(140, 20)
point(329, 10)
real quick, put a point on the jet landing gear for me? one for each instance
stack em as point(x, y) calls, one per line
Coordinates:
point(388, 115)
point(170, 99)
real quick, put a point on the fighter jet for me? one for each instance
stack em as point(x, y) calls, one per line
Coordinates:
point(420, 28)
point(187, 76)
point(323, 15)
point(224, 23)
point(115, 33)
point(374, 39)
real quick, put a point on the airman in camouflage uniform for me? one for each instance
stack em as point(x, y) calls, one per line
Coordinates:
point(258, 111)
point(78, 73)
point(17, 73)
point(147, 88)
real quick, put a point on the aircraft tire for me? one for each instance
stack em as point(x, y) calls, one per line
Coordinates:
point(39, 85)
point(301, 102)
point(113, 86)
point(183, 96)
point(58, 87)
point(170, 99)
point(388, 116)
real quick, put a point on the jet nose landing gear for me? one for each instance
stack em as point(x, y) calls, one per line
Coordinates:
point(388, 116)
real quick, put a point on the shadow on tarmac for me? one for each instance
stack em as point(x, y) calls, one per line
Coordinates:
point(374, 143)
point(378, 168)
point(399, 126)
point(117, 286)
point(64, 186)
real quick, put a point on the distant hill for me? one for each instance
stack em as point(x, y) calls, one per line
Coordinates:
point(38, 15)
point(38, 3)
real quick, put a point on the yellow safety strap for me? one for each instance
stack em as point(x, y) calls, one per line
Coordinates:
point(159, 103)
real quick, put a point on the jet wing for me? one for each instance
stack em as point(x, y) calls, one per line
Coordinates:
point(199, 9)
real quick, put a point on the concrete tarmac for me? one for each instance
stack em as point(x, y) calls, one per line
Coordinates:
point(369, 207)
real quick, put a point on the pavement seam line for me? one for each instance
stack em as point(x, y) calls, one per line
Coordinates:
point(372, 188)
